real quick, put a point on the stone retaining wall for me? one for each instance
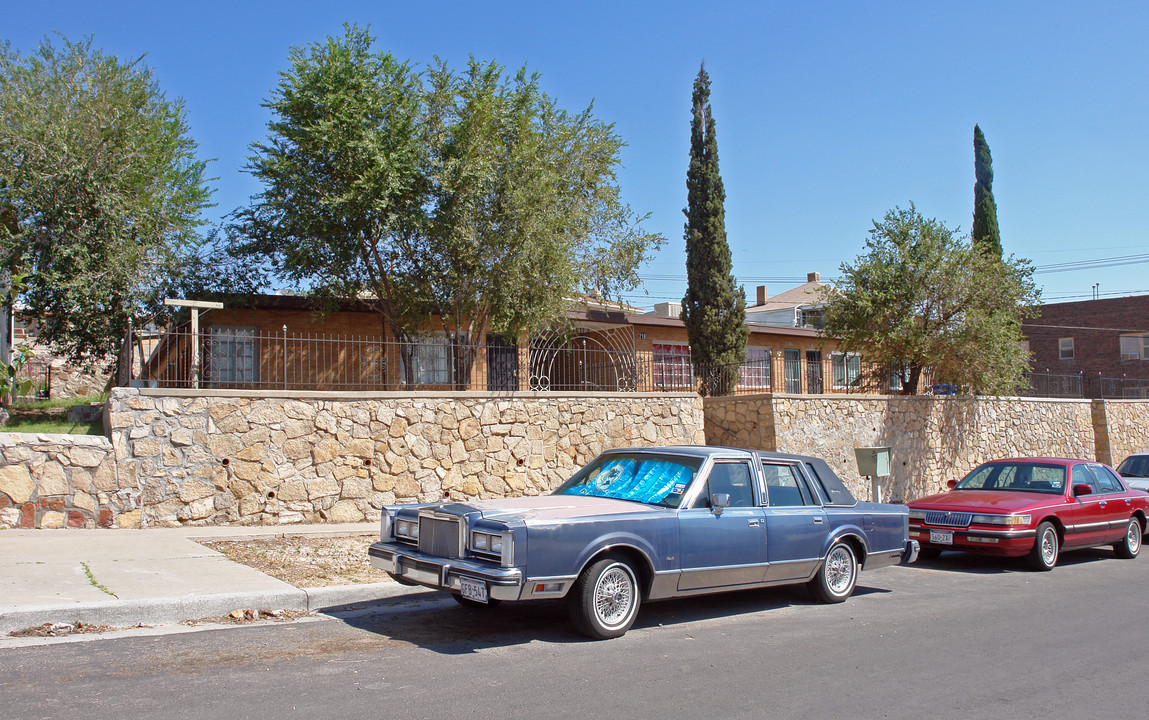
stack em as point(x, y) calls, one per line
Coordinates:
point(932, 439)
point(311, 457)
point(262, 458)
point(54, 481)
point(1126, 424)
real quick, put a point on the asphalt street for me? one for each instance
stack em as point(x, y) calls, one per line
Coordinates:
point(959, 637)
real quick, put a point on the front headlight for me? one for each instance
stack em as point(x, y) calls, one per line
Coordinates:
point(407, 529)
point(1007, 520)
point(487, 542)
point(917, 514)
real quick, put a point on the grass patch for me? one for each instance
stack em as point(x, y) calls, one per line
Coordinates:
point(59, 403)
point(51, 416)
point(92, 581)
point(62, 427)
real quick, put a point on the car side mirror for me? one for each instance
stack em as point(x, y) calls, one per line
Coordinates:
point(719, 502)
point(951, 484)
point(1082, 489)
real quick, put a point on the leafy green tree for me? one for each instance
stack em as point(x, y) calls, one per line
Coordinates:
point(100, 182)
point(924, 301)
point(344, 184)
point(984, 231)
point(713, 310)
point(469, 196)
point(526, 206)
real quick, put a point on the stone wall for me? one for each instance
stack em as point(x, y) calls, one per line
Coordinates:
point(1126, 428)
point(932, 439)
point(53, 481)
point(259, 458)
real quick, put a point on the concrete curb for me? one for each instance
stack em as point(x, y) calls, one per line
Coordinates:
point(162, 611)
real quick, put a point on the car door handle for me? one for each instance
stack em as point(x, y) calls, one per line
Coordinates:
point(817, 521)
point(752, 523)
point(1103, 503)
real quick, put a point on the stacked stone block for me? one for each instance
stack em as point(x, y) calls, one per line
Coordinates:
point(244, 459)
point(932, 439)
point(54, 481)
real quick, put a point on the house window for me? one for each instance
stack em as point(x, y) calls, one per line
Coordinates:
point(792, 367)
point(1065, 349)
point(847, 370)
point(1135, 347)
point(231, 357)
point(430, 361)
point(811, 318)
point(671, 366)
point(755, 372)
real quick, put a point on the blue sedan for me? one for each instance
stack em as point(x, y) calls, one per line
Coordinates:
point(649, 523)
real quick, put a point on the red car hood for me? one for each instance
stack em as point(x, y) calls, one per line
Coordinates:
point(995, 501)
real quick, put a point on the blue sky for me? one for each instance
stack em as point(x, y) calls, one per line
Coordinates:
point(828, 113)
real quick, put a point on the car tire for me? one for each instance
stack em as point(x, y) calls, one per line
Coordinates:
point(1046, 546)
point(838, 575)
point(474, 604)
point(604, 600)
point(1130, 545)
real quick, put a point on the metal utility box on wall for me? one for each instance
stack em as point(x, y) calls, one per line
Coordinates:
point(873, 461)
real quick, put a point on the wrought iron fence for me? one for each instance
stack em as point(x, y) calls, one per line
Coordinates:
point(243, 358)
point(1055, 385)
point(33, 380)
point(1122, 388)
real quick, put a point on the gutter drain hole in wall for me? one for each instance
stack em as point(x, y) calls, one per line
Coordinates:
point(225, 462)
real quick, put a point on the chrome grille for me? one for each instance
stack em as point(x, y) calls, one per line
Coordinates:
point(440, 537)
point(948, 519)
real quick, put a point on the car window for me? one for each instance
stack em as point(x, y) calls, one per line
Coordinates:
point(783, 488)
point(818, 486)
point(1082, 476)
point(1134, 466)
point(732, 478)
point(1016, 477)
point(639, 477)
point(1105, 479)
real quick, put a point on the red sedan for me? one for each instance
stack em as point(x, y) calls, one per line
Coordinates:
point(1032, 507)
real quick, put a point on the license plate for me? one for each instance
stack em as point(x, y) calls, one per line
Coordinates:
point(473, 589)
point(942, 537)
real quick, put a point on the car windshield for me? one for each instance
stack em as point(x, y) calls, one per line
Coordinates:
point(1134, 466)
point(1016, 477)
point(639, 477)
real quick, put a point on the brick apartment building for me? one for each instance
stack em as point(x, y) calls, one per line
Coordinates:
point(1105, 341)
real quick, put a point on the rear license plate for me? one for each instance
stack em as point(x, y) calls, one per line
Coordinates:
point(942, 537)
point(473, 589)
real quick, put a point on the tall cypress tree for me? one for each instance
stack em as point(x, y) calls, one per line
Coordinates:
point(984, 233)
point(713, 310)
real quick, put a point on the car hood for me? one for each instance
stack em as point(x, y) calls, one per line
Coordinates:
point(557, 507)
point(999, 501)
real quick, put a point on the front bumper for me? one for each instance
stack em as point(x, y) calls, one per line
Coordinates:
point(1012, 542)
point(407, 564)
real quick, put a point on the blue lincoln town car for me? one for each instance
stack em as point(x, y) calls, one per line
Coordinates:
point(649, 523)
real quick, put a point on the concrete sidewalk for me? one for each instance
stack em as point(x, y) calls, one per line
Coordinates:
point(129, 577)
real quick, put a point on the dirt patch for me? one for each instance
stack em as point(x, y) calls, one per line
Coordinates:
point(306, 562)
point(60, 629)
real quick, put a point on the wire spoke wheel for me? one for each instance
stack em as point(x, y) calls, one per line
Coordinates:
point(605, 599)
point(836, 578)
point(613, 596)
point(840, 574)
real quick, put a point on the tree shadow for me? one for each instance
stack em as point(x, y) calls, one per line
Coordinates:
point(435, 622)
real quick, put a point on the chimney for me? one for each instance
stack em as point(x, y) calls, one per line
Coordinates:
point(813, 277)
point(761, 294)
